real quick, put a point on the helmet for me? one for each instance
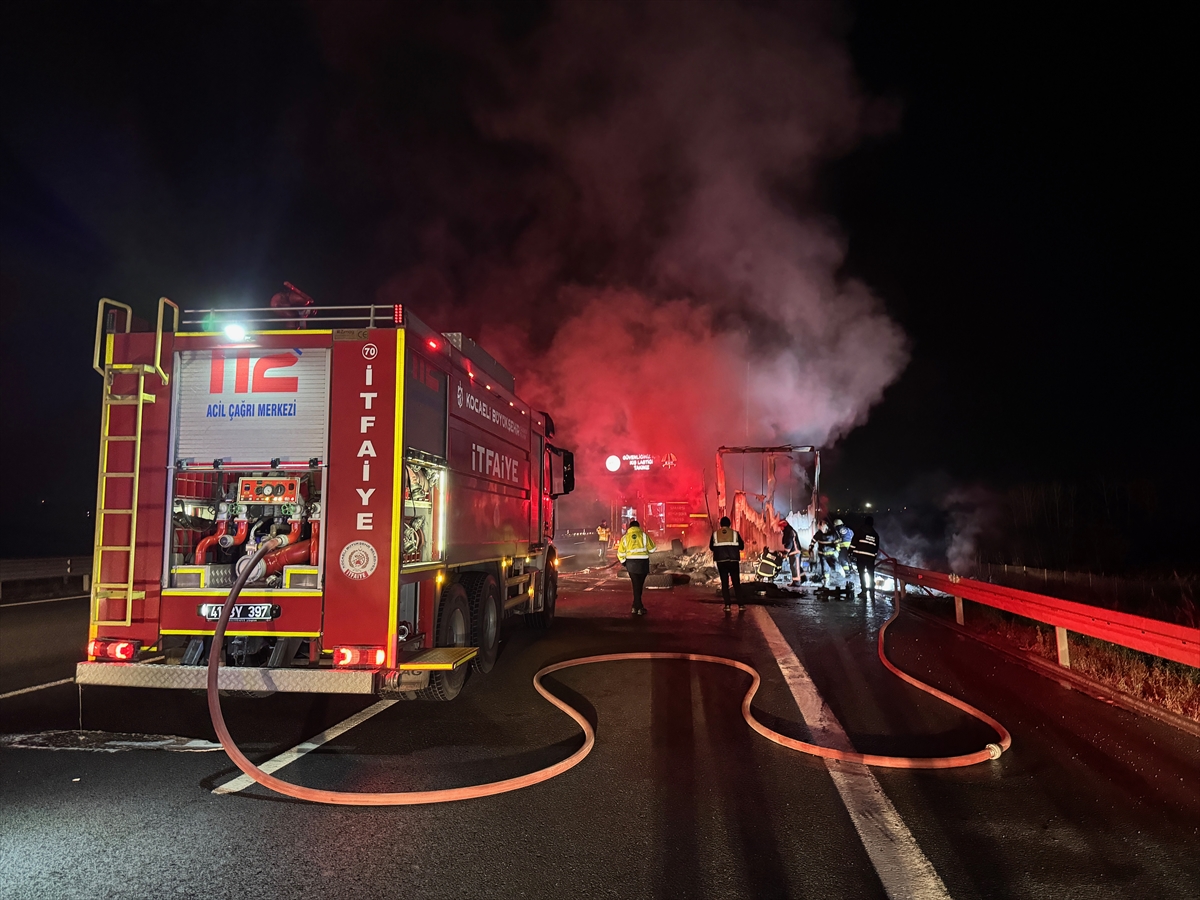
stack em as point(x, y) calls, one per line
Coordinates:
point(837, 521)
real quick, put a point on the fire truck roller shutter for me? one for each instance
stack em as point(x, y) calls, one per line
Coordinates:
point(453, 630)
point(483, 597)
point(252, 404)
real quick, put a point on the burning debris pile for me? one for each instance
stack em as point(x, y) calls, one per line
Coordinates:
point(698, 565)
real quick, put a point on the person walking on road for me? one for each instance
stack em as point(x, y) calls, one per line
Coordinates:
point(727, 546)
point(603, 535)
point(866, 551)
point(633, 550)
point(791, 546)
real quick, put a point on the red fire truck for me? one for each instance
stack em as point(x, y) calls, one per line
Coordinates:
point(408, 491)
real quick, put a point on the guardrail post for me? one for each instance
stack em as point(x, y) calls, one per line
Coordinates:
point(958, 610)
point(1064, 652)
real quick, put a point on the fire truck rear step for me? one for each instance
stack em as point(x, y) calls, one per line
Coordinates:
point(436, 659)
point(229, 678)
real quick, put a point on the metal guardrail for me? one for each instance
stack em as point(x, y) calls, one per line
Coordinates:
point(1130, 594)
point(1163, 639)
point(55, 567)
point(45, 569)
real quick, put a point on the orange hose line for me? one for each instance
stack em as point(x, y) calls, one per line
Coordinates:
point(410, 798)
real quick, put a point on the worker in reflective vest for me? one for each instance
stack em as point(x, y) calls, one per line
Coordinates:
point(727, 546)
point(603, 534)
point(633, 550)
point(866, 551)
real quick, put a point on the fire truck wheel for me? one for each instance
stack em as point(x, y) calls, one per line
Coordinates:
point(453, 630)
point(483, 596)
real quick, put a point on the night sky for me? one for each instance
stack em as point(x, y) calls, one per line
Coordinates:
point(1022, 215)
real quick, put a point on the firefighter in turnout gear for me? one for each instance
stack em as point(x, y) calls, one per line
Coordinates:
point(791, 546)
point(633, 550)
point(866, 551)
point(603, 535)
point(845, 538)
point(727, 546)
point(824, 548)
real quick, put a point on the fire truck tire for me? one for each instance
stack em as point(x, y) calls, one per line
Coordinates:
point(483, 597)
point(453, 630)
point(544, 618)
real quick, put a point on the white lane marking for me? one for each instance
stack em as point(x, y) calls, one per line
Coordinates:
point(903, 868)
point(36, 687)
point(290, 756)
point(51, 600)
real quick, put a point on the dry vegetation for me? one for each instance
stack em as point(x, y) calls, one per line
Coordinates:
point(1170, 685)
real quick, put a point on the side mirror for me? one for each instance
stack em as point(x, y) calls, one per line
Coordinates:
point(562, 471)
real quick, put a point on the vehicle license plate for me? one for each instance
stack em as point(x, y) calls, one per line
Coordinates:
point(242, 612)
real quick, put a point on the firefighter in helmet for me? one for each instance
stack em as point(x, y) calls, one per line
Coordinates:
point(866, 551)
point(845, 538)
point(824, 550)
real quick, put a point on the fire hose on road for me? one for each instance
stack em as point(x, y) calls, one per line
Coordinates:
point(409, 798)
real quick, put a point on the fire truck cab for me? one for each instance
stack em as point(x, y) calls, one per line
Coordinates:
point(409, 491)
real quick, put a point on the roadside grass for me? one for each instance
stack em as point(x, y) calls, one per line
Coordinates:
point(1169, 685)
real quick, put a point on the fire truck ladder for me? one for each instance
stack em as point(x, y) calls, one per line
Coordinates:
point(111, 590)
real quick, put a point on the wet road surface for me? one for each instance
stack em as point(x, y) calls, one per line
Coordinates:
point(679, 798)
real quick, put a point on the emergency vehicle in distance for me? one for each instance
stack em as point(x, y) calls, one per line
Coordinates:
point(410, 491)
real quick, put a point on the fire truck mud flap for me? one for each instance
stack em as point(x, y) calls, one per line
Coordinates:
point(230, 678)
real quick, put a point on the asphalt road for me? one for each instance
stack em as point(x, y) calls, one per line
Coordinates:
point(678, 799)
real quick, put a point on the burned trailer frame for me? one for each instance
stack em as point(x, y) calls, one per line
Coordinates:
point(406, 491)
point(764, 527)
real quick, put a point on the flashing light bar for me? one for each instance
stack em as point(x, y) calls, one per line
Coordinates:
point(398, 314)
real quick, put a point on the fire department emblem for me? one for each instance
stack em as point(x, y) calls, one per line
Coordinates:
point(460, 396)
point(358, 560)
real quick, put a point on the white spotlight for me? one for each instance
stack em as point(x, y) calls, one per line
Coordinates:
point(235, 332)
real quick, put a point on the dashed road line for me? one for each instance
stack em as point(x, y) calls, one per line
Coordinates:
point(902, 866)
point(290, 756)
point(50, 600)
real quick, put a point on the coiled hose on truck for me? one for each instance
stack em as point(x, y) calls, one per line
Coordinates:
point(409, 798)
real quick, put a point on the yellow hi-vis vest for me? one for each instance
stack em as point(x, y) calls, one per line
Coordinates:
point(635, 544)
point(602, 533)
